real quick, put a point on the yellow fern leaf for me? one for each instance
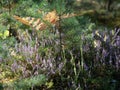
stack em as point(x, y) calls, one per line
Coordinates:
point(50, 17)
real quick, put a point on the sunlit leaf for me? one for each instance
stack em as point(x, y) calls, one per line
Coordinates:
point(6, 33)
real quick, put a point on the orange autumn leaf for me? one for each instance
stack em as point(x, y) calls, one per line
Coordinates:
point(22, 20)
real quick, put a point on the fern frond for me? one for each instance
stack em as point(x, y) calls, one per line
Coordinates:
point(22, 20)
point(38, 24)
point(50, 17)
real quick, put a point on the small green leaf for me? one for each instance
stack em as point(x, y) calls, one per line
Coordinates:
point(1, 34)
point(6, 33)
point(49, 84)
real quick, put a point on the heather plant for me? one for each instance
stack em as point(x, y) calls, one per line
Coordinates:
point(107, 46)
point(104, 62)
point(32, 57)
point(69, 55)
